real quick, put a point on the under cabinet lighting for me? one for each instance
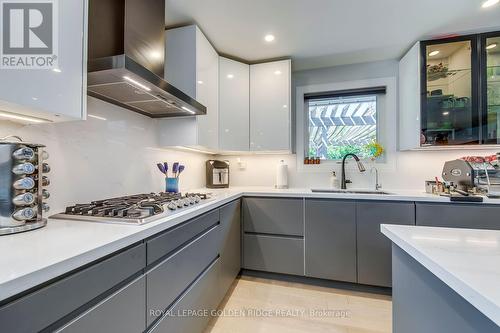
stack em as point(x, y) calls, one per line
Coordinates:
point(9, 115)
point(269, 38)
point(433, 53)
point(489, 3)
point(491, 46)
point(194, 150)
point(188, 110)
point(136, 83)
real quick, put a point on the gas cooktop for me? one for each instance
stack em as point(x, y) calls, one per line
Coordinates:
point(134, 209)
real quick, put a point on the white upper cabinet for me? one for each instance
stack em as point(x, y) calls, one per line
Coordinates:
point(409, 99)
point(234, 105)
point(270, 106)
point(57, 93)
point(192, 65)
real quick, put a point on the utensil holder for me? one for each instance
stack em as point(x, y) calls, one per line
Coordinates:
point(172, 185)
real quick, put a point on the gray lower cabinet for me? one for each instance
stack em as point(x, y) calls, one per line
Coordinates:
point(122, 312)
point(193, 310)
point(278, 254)
point(57, 300)
point(230, 245)
point(278, 216)
point(166, 242)
point(458, 215)
point(373, 248)
point(187, 268)
point(171, 277)
point(330, 239)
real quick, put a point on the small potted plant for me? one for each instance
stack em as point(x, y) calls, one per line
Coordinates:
point(374, 150)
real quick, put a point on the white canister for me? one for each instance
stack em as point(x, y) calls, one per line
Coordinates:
point(282, 175)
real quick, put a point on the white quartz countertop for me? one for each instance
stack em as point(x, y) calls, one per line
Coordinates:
point(467, 260)
point(34, 257)
point(394, 195)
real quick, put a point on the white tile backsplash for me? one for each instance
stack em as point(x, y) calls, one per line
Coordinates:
point(404, 170)
point(101, 158)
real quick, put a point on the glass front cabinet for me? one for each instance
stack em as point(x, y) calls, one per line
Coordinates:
point(490, 81)
point(450, 92)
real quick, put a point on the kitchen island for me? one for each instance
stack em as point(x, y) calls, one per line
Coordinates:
point(445, 280)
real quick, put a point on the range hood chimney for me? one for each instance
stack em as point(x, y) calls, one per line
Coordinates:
point(126, 59)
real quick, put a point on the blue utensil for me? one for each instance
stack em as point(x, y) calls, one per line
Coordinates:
point(175, 168)
point(181, 168)
point(165, 164)
point(161, 168)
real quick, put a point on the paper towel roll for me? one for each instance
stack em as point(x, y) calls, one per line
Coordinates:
point(282, 175)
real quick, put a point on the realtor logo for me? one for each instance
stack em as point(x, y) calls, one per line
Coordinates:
point(29, 34)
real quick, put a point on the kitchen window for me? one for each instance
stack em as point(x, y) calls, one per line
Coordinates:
point(341, 122)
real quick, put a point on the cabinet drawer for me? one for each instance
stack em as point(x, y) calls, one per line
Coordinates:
point(122, 312)
point(201, 297)
point(172, 276)
point(456, 215)
point(273, 254)
point(274, 216)
point(57, 300)
point(168, 241)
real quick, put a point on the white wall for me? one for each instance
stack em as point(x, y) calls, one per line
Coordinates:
point(400, 170)
point(98, 159)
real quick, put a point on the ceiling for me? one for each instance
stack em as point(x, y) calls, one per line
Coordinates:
point(322, 33)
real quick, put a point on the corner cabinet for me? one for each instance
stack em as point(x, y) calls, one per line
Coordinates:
point(449, 92)
point(192, 65)
point(234, 105)
point(248, 106)
point(59, 93)
point(270, 122)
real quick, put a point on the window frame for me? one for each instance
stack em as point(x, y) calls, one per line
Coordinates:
point(388, 119)
point(362, 92)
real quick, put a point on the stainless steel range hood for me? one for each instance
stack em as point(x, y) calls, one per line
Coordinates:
point(126, 59)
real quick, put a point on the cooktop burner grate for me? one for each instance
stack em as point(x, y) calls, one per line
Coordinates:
point(133, 209)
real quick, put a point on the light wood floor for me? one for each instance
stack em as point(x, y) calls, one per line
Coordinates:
point(335, 310)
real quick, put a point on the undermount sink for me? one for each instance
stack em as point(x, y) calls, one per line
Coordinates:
point(350, 191)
